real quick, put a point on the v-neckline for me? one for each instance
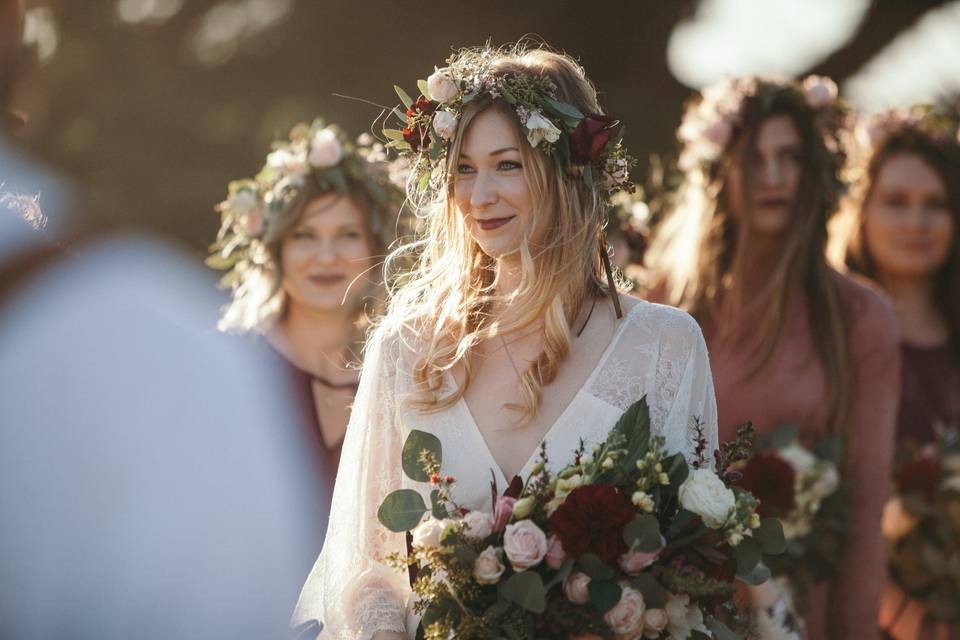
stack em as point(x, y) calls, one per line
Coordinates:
point(502, 480)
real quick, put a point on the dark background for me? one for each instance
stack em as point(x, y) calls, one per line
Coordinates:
point(153, 127)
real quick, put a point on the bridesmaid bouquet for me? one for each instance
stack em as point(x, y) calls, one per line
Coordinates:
point(802, 489)
point(626, 542)
point(921, 525)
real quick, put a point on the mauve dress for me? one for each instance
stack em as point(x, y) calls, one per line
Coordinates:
point(792, 388)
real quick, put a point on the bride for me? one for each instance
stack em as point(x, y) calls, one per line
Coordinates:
point(508, 332)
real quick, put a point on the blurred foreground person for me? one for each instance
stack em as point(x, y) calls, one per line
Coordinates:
point(144, 491)
point(791, 340)
point(301, 244)
point(900, 228)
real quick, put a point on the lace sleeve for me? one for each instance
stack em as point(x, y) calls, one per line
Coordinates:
point(350, 590)
point(685, 392)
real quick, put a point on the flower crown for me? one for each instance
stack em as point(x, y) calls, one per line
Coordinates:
point(710, 125)
point(585, 146)
point(256, 208)
point(940, 122)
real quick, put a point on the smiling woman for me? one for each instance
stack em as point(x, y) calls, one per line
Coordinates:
point(301, 244)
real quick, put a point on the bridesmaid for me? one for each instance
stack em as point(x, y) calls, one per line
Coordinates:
point(791, 340)
point(900, 229)
point(301, 245)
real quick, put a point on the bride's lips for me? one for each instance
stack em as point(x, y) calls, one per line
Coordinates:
point(773, 202)
point(493, 223)
point(327, 279)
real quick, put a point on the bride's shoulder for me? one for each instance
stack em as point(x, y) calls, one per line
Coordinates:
point(657, 321)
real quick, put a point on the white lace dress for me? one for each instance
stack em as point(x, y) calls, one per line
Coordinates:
point(656, 351)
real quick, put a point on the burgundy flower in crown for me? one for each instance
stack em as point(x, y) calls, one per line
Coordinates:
point(921, 475)
point(590, 138)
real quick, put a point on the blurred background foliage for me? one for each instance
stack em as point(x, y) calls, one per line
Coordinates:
point(152, 106)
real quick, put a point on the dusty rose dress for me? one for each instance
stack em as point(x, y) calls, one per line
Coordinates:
point(792, 389)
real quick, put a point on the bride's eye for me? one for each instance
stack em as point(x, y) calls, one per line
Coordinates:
point(509, 165)
point(464, 169)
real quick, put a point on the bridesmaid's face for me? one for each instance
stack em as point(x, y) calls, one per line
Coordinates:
point(325, 256)
point(489, 186)
point(774, 177)
point(908, 226)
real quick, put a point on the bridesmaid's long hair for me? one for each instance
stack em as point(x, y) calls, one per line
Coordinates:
point(446, 298)
point(933, 137)
point(694, 252)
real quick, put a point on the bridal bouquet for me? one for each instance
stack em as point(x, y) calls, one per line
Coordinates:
point(802, 489)
point(626, 542)
point(921, 525)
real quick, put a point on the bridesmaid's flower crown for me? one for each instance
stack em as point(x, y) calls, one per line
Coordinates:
point(940, 122)
point(257, 208)
point(711, 124)
point(588, 147)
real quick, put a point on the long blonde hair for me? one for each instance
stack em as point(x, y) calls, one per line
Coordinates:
point(694, 251)
point(447, 298)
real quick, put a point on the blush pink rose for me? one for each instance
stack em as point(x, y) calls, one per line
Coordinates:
point(503, 512)
point(819, 91)
point(719, 132)
point(576, 588)
point(626, 617)
point(654, 622)
point(525, 544)
point(556, 556)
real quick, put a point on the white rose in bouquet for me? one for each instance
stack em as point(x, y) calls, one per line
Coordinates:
point(427, 533)
point(479, 524)
point(704, 493)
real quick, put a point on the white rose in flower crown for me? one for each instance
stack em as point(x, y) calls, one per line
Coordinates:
point(427, 533)
point(704, 493)
point(488, 567)
point(479, 524)
point(525, 544)
point(626, 617)
point(539, 128)
point(442, 87)
point(325, 150)
point(683, 618)
point(828, 482)
point(577, 588)
point(819, 91)
point(445, 124)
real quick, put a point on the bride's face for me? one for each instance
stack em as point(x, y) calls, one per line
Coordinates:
point(490, 189)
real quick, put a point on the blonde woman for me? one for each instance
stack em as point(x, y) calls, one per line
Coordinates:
point(791, 340)
point(508, 333)
point(901, 228)
point(300, 243)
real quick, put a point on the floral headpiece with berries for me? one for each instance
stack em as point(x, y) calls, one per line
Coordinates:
point(709, 126)
point(256, 208)
point(585, 146)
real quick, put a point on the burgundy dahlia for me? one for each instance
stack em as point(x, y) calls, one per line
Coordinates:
point(591, 520)
point(771, 480)
point(590, 137)
point(921, 475)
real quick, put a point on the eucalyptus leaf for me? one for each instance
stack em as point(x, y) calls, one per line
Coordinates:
point(748, 555)
point(400, 114)
point(424, 182)
point(654, 594)
point(526, 590)
point(779, 437)
point(415, 444)
point(565, 570)
point(677, 470)
point(595, 567)
point(563, 109)
point(643, 534)
point(393, 134)
point(770, 536)
point(401, 510)
point(604, 594)
point(437, 508)
point(634, 424)
point(404, 98)
point(759, 575)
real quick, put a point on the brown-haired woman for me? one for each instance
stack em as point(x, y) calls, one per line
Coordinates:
point(300, 244)
point(900, 228)
point(791, 340)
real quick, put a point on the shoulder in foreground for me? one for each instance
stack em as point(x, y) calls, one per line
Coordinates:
point(870, 311)
point(667, 320)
